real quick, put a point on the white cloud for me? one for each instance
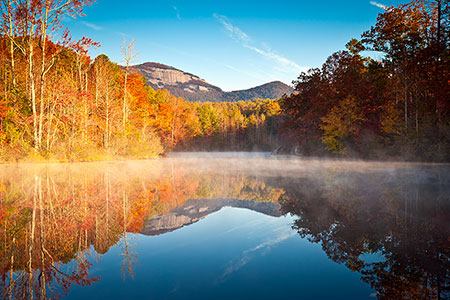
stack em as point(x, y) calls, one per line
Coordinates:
point(382, 6)
point(92, 26)
point(257, 75)
point(235, 32)
point(122, 34)
point(177, 12)
point(282, 63)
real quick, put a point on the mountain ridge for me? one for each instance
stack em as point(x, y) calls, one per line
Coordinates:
point(195, 89)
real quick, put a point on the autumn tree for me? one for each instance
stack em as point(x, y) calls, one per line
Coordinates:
point(106, 89)
point(411, 80)
point(341, 124)
point(175, 118)
point(414, 43)
point(128, 56)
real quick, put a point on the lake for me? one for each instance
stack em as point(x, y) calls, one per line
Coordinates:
point(222, 226)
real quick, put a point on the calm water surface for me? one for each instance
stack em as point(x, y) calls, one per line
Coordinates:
point(234, 225)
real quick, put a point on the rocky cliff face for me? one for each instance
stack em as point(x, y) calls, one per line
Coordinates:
point(195, 210)
point(161, 76)
point(179, 83)
point(193, 88)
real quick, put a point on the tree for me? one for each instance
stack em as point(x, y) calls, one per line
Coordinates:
point(8, 28)
point(341, 125)
point(410, 37)
point(128, 55)
point(106, 75)
point(36, 21)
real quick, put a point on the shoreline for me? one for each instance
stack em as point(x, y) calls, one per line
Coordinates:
point(217, 155)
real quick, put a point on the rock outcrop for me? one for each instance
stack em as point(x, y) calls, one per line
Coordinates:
point(193, 88)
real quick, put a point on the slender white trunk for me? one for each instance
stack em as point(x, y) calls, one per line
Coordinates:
point(44, 22)
point(125, 99)
point(32, 91)
point(11, 45)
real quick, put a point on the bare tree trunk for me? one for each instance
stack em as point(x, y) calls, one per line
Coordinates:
point(13, 71)
point(42, 87)
point(33, 91)
point(125, 99)
point(5, 90)
point(80, 90)
point(107, 117)
point(128, 56)
point(11, 45)
point(97, 79)
point(51, 112)
point(86, 106)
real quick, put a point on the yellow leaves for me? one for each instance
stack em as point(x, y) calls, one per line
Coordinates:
point(272, 108)
point(2, 137)
point(391, 120)
point(341, 123)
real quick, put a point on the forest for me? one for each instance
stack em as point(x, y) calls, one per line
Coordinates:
point(59, 104)
point(395, 107)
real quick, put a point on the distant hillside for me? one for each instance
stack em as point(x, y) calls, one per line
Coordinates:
point(271, 90)
point(193, 88)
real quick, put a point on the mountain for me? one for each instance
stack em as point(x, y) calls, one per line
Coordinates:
point(271, 90)
point(193, 88)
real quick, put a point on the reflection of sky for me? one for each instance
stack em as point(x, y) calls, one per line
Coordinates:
point(234, 253)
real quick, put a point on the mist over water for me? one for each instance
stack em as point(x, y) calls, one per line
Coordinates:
point(221, 225)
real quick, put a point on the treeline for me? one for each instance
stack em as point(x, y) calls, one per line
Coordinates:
point(55, 103)
point(58, 104)
point(236, 126)
point(397, 107)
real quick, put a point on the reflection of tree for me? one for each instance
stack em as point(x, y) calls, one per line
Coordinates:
point(406, 222)
point(49, 218)
point(29, 263)
point(128, 255)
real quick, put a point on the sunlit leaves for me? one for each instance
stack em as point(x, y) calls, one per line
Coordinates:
point(341, 124)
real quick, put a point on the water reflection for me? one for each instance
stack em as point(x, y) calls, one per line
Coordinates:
point(403, 217)
point(51, 215)
point(389, 223)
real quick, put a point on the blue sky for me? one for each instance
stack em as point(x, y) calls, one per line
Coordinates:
point(231, 44)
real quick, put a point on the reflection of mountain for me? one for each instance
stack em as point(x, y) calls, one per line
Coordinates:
point(194, 210)
point(53, 215)
point(50, 216)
